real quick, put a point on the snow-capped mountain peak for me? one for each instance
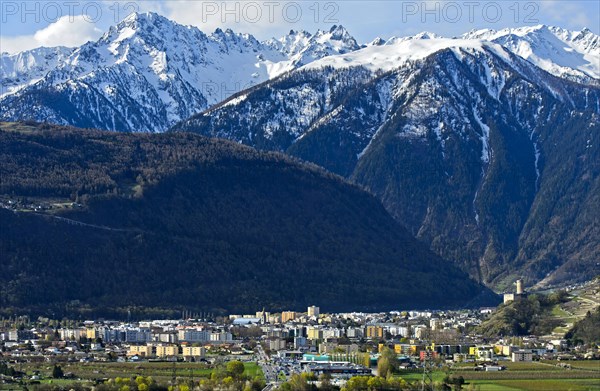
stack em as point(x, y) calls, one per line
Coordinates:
point(141, 25)
point(339, 33)
point(426, 35)
point(150, 70)
point(377, 42)
point(291, 43)
point(303, 48)
point(421, 35)
point(571, 54)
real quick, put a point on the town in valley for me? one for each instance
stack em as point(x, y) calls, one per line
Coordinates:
point(281, 349)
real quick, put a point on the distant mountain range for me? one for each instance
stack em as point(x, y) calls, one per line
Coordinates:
point(178, 220)
point(485, 146)
point(150, 70)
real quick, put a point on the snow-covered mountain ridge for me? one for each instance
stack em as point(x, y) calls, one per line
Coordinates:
point(569, 54)
point(24, 68)
point(398, 52)
point(148, 73)
point(564, 53)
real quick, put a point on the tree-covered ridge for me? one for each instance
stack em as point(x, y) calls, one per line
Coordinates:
point(526, 315)
point(95, 162)
point(178, 220)
point(587, 330)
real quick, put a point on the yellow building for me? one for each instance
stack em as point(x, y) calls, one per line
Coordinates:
point(287, 316)
point(91, 333)
point(167, 350)
point(374, 332)
point(193, 351)
point(405, 348)
point(416, 349)
point(503, 350)
point(140, 350)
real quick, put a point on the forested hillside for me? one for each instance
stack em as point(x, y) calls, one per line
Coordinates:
point(179, 220)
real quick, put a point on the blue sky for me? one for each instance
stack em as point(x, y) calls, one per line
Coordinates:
point(28, 24)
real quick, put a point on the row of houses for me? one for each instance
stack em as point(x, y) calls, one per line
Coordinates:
point(123, 334)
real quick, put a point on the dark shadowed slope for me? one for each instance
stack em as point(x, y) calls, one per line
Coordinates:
point(179, 220)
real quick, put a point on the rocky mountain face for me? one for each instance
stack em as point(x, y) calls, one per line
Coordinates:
point(150, 70)
point(488, 158)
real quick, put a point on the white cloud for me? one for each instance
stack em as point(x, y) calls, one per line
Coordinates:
point(16, 44)
point(68, 31)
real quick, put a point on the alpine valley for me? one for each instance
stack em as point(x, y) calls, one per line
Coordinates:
point(485, 146)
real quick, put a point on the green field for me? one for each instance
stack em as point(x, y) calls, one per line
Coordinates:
point(411, 376)
point(162, 372)
point(524, 376)
point(559, 312)
point(252, 369)
point(538, 385)
point(534, 376)
point(590, 365)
